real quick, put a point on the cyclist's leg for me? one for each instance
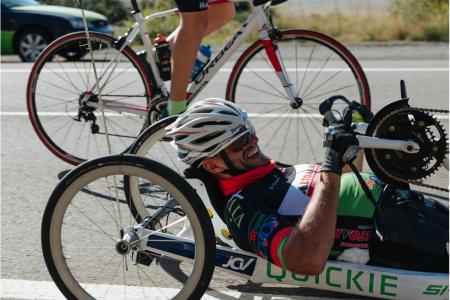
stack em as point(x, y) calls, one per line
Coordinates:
point(220, 12)
point(193, 23)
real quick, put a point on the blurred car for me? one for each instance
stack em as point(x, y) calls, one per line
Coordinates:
point(28, 27)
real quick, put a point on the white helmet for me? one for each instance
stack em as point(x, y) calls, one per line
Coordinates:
point(206, 128)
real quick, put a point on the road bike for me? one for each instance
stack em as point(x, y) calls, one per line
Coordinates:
point(279, 79)
point(128, 226)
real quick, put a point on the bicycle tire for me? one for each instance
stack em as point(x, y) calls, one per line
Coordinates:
point(252, 77)
point(56, 86)
point(141, 147)
point(59, 218)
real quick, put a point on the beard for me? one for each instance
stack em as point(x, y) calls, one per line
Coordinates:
point(252, 160)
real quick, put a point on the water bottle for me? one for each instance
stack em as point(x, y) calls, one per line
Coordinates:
point(162, 52)
point(203, 56)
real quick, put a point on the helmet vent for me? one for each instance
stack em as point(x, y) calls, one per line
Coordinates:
point(210, 123)
point(231, 113)
point(208, 137)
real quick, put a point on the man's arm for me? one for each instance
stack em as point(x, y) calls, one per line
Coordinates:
point(309, 244)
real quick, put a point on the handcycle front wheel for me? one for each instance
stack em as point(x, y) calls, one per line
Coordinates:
point(83, 222)
point(63, 102)
point(318, 67)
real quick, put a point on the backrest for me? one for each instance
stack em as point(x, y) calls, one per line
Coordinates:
point(216, 200)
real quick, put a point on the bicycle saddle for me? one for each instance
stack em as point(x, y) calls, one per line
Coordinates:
point(272, 2)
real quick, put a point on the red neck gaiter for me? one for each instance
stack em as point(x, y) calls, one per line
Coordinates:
point(234, 184)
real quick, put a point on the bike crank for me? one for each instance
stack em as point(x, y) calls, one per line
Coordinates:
point(408, 123)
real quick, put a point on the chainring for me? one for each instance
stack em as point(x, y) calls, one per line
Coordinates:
point(406, 123)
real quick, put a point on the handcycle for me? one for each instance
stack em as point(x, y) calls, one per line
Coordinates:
point(287, 71)
point(168, 227)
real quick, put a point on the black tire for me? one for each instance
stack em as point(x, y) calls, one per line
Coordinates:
point(73, 265)
point(30, 43)
point(318, 67)
point(72, 130)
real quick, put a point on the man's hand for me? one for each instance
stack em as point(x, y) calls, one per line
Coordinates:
point(340, 147)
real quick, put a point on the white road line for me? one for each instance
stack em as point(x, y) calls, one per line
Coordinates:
point(228, 70)
point(39, 290)
point(251, 115)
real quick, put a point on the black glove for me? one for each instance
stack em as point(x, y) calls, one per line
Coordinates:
point(340, 147)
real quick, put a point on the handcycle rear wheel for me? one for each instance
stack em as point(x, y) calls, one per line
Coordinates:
point(73, 130)
point(318, 67)
point(153, 144)
point(82, 223)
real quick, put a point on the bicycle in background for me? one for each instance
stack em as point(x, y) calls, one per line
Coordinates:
point(279, 80)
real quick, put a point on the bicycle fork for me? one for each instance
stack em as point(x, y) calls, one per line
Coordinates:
point(274, 55)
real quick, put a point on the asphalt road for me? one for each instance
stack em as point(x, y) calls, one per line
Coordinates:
point(30, 172)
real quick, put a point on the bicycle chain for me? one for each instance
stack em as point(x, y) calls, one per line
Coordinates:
point(420, 182)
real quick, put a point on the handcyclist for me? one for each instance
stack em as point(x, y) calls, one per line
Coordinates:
point(295, 217)
point(197, 21)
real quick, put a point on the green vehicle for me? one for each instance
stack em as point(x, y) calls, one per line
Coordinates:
point(28, 27)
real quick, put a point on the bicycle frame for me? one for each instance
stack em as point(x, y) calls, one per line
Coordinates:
point(359, 279)
point(257, 20)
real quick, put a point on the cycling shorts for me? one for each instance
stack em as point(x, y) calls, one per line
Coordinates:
point(196, 5)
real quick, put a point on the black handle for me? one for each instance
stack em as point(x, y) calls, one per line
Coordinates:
point(326, 106)
point(403, 89)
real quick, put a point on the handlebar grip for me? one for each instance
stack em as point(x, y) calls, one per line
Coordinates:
point(330, 118)
point(325, 109)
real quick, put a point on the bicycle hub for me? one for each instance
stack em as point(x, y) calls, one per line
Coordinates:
point(122, 247)
point(296, 103)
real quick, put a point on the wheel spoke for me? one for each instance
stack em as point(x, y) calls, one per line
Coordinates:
point(275, 132)
point(331, 91)
point(69, 81)
point(318, 73)
point(264, 92)
point(307, 68)
point(59, 87)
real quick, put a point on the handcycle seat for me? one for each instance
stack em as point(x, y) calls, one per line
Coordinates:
point(216, 198)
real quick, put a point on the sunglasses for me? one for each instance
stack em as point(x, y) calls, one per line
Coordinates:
point(241, 142)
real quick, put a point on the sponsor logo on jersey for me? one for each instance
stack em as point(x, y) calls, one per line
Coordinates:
point(235, 209)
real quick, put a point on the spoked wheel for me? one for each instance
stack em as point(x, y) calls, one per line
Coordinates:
point(318, 67)
point(83, 223)
point(63, 102)
point(152, 144)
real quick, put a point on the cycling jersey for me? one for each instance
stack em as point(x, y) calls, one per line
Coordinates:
point(196, 5)
point(261, 214)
